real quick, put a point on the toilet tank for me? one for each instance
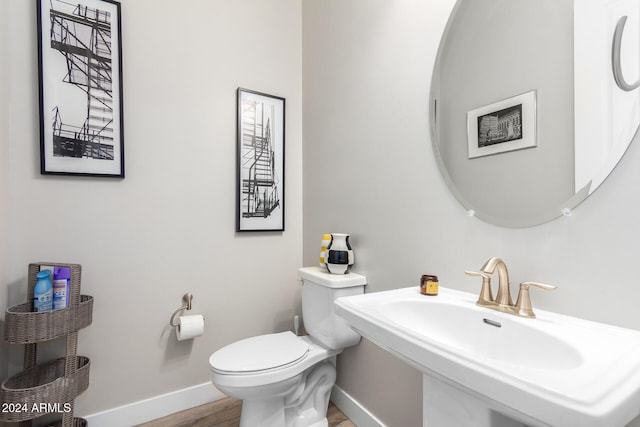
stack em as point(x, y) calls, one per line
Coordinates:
point(319, 289)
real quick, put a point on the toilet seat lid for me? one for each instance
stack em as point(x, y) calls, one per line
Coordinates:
point(259, 353)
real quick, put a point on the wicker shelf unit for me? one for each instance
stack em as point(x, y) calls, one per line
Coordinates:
point(51, 386)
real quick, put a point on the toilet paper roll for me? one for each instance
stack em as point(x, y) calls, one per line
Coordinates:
point(190, 327)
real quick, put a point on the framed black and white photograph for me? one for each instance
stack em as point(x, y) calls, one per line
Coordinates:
point(80, 71)
point(260, 161)
point(503, 126)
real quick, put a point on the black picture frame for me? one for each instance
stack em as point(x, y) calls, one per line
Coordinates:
point(80, 76)
point(260, 160)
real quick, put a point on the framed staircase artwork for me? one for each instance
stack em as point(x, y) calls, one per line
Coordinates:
point(80, 73)
point(260, 161)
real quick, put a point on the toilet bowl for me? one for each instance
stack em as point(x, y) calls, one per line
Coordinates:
point(272, 385)
point(285, 380)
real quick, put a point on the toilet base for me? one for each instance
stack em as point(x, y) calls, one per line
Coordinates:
point(305, 405)
point(262, 412)
point(270, 413)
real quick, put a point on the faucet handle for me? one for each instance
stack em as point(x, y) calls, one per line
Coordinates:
point(486, 297)
point(523, 304)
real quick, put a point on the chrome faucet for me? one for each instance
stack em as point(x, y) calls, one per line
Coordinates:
point(503, 301)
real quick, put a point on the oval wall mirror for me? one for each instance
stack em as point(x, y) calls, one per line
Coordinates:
point(534, 102)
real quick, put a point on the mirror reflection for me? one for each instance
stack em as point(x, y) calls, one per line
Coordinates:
point(528, 116)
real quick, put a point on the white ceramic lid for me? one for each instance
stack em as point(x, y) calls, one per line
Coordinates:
point(259, 353)
point(322, 276)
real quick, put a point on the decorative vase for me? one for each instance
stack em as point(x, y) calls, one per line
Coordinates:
point(340, 256)
point(326, 239)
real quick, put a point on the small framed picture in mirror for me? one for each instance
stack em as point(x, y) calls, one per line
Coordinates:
point(502, 126)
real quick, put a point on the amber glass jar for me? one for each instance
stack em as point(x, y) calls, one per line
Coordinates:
point(429, 284)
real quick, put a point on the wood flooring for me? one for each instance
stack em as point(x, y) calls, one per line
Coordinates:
point(226, 413)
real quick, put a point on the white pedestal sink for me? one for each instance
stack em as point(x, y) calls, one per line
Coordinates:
point(484, 368)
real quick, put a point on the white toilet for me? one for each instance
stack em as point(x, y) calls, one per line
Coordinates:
point(285, 380)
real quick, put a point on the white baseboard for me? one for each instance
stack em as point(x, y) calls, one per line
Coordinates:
point(357, 413)
point(179, 400)
point(155, 407)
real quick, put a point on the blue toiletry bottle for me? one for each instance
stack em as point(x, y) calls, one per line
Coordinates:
point(43, 292)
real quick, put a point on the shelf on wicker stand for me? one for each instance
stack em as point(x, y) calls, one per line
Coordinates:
point(51, 386)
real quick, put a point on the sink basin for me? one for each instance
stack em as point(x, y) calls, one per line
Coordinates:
point(553, 370)
point(483, 335)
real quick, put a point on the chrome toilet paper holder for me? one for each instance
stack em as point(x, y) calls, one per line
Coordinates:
point(186, 299)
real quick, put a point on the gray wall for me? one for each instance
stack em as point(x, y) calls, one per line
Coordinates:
point(369, 170)
point(168, 227)
point(4, 161)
